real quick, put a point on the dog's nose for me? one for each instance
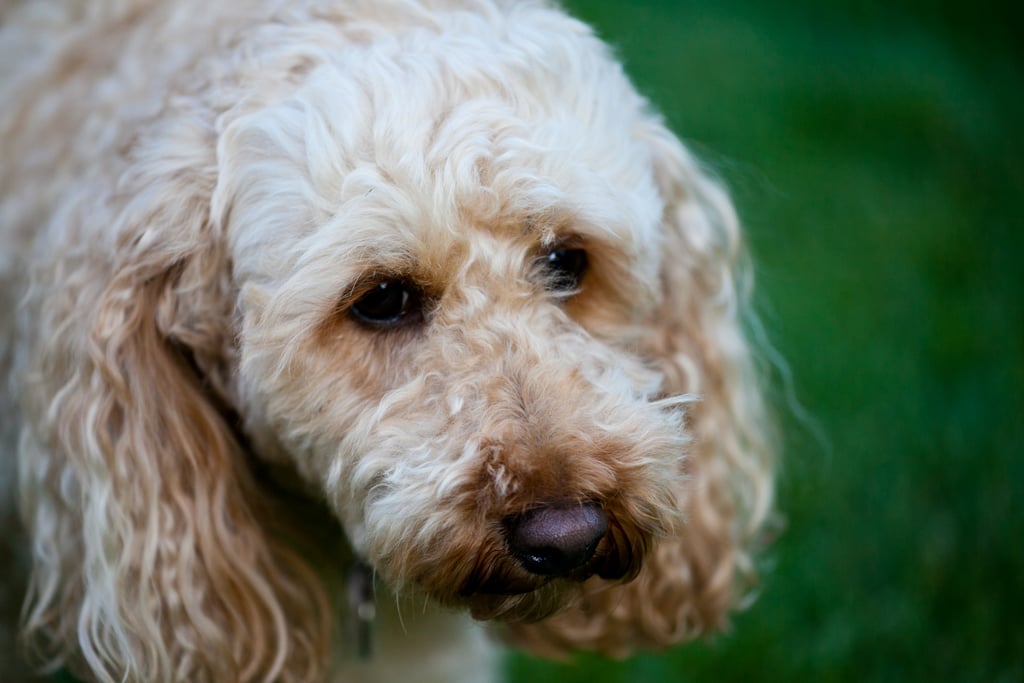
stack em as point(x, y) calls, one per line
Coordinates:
point(555, 540)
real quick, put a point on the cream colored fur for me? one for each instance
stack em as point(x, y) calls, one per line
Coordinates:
point(194, 193)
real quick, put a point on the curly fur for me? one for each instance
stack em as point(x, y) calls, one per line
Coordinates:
point(195, 194)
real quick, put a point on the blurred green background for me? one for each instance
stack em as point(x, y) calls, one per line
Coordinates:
point(875, 152)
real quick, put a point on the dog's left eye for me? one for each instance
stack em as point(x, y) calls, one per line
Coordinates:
point(389, 304)
point(564, 269)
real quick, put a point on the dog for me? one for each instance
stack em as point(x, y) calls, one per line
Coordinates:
point(351, 337)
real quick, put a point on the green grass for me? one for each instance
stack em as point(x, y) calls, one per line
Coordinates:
point(874, 150)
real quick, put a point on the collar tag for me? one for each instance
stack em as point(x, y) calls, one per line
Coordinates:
point(362, 612)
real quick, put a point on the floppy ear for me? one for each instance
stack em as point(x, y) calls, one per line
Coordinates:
point(151, 558)
point(691, 580)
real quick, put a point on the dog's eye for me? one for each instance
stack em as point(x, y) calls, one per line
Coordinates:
point(389, 304)
point(565, 268)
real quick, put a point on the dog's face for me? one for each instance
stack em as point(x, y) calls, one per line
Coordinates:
point(446, 282)
point(450, 271)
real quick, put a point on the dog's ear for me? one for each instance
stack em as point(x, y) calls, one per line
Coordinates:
point(151, 556)
point(690, 580)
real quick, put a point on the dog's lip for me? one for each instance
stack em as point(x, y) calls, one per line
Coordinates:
point(507, 577)
point(515, 586)
point(512, 578)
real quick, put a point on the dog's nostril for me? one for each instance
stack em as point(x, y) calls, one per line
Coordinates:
point(554, 541)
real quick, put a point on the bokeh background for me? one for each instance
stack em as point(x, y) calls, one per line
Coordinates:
point(875, 151)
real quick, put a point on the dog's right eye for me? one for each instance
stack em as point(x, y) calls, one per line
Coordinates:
point(565, 268)
point(389, 304)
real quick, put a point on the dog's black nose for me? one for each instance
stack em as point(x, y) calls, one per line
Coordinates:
point(555, 540)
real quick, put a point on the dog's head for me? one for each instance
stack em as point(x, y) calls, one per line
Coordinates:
point(472, 292)
point(447, 281)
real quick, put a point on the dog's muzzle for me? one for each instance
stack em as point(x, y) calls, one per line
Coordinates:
point(562, 541)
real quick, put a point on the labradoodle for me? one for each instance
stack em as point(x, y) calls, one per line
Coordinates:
point(349, 337)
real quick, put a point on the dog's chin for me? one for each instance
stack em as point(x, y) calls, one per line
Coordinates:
point(502, 589)
point(532, 599)
point(540, 603)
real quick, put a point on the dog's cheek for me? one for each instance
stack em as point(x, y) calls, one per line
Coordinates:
point(309, 379)
point(417, 543)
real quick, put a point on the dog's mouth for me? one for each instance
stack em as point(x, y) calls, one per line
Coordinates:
point(548, 552)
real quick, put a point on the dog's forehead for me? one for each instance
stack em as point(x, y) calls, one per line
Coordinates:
point(404, 154)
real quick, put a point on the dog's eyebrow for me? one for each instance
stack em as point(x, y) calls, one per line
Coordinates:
point(566, 225)
point(578, 234)
point(555, 225)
